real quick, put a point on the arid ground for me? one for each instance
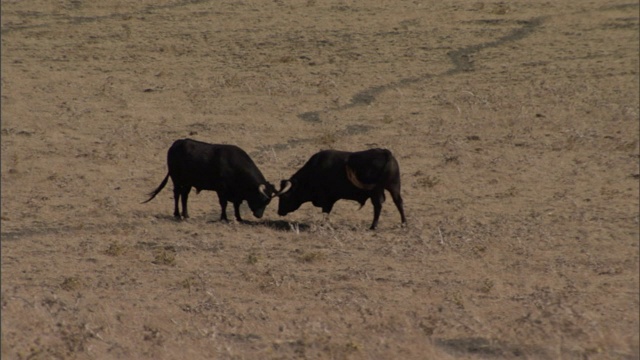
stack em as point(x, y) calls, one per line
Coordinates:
point(516, 126)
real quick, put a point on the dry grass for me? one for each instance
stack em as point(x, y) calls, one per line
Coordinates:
point(515, 126)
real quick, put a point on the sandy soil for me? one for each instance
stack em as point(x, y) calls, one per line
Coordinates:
point(515, 125)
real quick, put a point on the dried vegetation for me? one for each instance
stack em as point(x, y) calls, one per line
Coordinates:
point(515, 125)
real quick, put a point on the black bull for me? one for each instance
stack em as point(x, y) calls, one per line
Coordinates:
point(331, 175)
point(225, 169)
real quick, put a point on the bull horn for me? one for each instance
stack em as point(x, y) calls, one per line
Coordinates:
point(262, 189)
point(351, 175)
point(285, 188)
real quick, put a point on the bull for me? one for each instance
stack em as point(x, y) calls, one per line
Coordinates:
point(331, 175)
point(226, 169)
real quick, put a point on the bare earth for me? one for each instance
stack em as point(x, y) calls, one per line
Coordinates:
point(516, 126)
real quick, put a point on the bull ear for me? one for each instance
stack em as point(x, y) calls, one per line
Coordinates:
point(262, 189)
point(285, 185)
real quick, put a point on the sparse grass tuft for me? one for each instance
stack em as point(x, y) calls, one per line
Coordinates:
point(253, 258)
point(512, 191)
point(286, 59)
point(451, 159)
point(115, 249)
point(352, 346)
point(312, 256)
point(187, 283)
point(71, 283)
point(428, 181)
point(487, 285)
point(165, 257)
point(456, 298)
point(153, 335)
point(328, 139)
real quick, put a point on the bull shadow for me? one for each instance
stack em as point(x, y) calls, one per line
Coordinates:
point(168, 218)
point(279, 225)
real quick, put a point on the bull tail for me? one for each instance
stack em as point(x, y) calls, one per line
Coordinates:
point(156, 191)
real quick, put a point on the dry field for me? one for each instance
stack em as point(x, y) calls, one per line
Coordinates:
point(516, 126)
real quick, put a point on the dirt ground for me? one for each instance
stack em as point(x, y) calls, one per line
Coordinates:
point(516, 126)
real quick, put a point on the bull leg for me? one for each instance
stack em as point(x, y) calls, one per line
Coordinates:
point(326, 210)
point(185, 196)
point(376, 199)
point(236, 210)
point(397, 199)
point(327, 207)
point(176, 199)
point(223, 208)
